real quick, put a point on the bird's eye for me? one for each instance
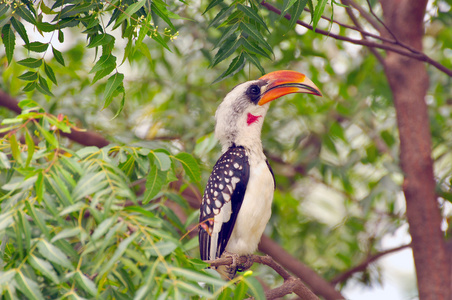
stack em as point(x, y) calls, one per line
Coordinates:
point(254, 90)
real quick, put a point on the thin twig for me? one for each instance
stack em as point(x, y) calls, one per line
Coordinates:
point(364, 14)
point(418, 55)
point(363, 265)
point(358, 25)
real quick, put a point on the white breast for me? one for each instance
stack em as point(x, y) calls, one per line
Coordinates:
point(255, 211)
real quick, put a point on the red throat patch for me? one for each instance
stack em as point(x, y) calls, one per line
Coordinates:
point(252, 119)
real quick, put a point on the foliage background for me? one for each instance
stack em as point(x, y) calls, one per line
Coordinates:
point(74, 220)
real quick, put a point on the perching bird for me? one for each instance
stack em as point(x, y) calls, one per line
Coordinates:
point(236, 204)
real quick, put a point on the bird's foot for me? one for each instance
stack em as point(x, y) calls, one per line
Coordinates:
point(247, 264)
point(229, 271)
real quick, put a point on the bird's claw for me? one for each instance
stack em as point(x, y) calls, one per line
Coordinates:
point(247, 264)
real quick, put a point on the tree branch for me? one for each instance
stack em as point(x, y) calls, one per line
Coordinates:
point(290, 285)
point(85, 138)
point(418, 55)
point(364, 14)
point(363, 265)
point(358, 25)
point(316, 283)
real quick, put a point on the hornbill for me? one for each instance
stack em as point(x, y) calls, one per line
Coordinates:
point(236, 204)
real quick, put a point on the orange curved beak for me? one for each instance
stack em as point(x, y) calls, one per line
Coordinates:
point(285, 82)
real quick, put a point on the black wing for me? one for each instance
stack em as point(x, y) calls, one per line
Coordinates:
point(221, 202)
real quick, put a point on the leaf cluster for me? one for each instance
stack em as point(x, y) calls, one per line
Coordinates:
point(135, 19)
point(73, 227)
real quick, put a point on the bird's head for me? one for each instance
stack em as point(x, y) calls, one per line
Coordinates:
point(240, 116)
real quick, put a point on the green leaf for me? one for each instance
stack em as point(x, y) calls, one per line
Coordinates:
point(102, 73)
point(113, 83)
point(192, 288)
point(318, 11)
point(235, 66)
point(46, 27)
point(121, 105)
point(212, 4)
point(37, 218)
point(39, 187)
point(118, 253)
point(156, 179)
point(103, 228)
point(227, 33)
point(287, 5)
point(54, 254)
point(3, 9)
point(29, 76)
point(48, 136)
point(158, 38)
point(226, 50)
point(30, 86)
point(43, 86)
point(100, 40)
point(15, 149)
point(28, 287)
point(250, 46)
point(250, 12)
point(58, 56)
point(221, 15)
point(162, 248)
point(23, 11)
point(30, 147)
point(296, 11)
point(9, 40)
point(85, 283)
point(240, 291)
point(36, 47)
point(90, 183)
point(255, 61)
point(162, 160)
point(131, 9)
point(6, 219)
point(7, 277)
point(256, 35)
point(44, 267)
point(49, 71)
point(65, 233)
point(31, 62)
point(107, 61)
point(162, 12)
point(4, 161)
point(20, 28)
point(198, 276)
point(114, 16)
point(256, 288)
point(74, 10)
point(60, 36)
point(190, 165)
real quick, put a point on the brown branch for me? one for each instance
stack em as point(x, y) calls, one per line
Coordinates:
point(315, 282)
point(85, 138)
point(358, 25)
point(364, 14)
point(356, 28)
point(290, 285)
point(418, 55)
point(363, 265)
point(9, 102)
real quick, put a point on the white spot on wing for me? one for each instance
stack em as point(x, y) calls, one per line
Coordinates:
point(226, 197)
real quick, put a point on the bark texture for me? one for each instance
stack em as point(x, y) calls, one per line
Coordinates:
point(408, 80)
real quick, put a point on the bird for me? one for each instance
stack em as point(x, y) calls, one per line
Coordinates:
point(237, 200)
